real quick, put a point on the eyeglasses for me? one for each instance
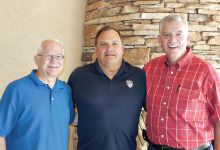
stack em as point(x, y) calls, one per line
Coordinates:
point(50, 56)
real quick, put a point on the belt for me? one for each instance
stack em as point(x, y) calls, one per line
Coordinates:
point(162, 147)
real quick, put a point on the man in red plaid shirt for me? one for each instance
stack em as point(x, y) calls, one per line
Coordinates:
point(183, 94)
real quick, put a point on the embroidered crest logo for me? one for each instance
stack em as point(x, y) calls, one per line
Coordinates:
point(129, 83)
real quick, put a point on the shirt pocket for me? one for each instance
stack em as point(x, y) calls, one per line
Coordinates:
point(190, 105)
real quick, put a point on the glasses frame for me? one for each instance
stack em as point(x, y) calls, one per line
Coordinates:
point(51, 56)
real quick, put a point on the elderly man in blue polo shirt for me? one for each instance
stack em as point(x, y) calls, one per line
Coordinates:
point(36, 110)
point(109, 95)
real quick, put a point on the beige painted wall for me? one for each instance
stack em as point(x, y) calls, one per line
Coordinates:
point(24, 24)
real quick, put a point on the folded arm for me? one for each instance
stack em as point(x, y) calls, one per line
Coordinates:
point(217, 136)
point(2, 143)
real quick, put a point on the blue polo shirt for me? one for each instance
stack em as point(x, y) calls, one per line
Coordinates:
point(35, 117)
point(108, 109)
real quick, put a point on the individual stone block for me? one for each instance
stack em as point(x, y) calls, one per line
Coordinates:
point(95, 14)
point(204, 6)
point(116, 1)
point(195, 36)
point(208, 1)
point(120, 18)
point(134, 40)
point(213, 24)
point(129, 9)
point(120, 4)
point(91, 30)
point(137, 56)
point(146, 2)
point(216, 18)
point(89, 16)
point(122, 27)
point(143, 9)
point(152, 42)
point(127, 33)
point(201, 28)
point(161, 5)
point(199, 17)
point(214, 40)
point(212, 57)
point(210, 33)
point(208, 11)
point(175, 5)
point(185, 10)
point(188, 1)
point(170, 1)
point(92, 1)
point(95, 5)
point(86, 57)
point(215, 48)
point(90, 42)
point(159, 15)
point(146, 32)
point(201, 47)
point(145, 27)
point(109, 12)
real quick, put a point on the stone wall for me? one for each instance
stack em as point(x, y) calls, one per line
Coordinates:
point(138, 22)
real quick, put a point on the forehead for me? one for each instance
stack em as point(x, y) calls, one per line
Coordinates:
point(173, 26)
point(51, 46)
point(109, 35)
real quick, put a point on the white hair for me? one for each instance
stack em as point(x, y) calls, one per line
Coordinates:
point(39, 49)
point(171, 18)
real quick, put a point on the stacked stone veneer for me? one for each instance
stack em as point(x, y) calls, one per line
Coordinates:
point(138, 22)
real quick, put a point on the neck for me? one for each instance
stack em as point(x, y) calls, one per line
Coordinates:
point(173, 61)
point(110, 70)
point(46, 80)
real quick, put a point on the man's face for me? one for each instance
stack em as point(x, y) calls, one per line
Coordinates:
point(109, 48)
point(174, 39)
point(50, 68)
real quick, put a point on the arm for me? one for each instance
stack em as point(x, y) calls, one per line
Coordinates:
point(217, 136)
point(2, 143)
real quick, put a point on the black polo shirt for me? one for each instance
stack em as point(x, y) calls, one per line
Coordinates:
point(108, 109)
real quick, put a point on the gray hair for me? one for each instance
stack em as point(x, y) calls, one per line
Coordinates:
point(39, 49)
point(171, 18)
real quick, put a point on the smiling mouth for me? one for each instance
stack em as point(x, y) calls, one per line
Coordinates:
point(109, 55)
point(53, 66)
point(172, 46)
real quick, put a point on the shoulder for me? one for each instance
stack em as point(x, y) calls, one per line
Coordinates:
point(65, 85)
point(79, 73)
point(134, 69)
point(204, 66)
point(203, 63)
point(19, 83)
point(82, 69)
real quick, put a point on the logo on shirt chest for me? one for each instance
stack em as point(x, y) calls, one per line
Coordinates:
point(129, 83)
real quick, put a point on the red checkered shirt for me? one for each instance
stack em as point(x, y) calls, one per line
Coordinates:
point(182, 101)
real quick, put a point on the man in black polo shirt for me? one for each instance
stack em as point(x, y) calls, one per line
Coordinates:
point(108, 94)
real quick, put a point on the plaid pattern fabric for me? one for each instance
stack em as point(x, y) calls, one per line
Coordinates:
point(182, 101)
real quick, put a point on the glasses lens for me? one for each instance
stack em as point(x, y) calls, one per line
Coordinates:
point(59, 57)
point(48, 56)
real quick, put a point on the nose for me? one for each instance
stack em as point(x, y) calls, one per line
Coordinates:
point(172, 37)
point(108, 46)
point(53, 58)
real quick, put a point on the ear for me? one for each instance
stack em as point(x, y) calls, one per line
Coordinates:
point(123, 49)
point(36, 60)
point(188, 38)
point(159, 39)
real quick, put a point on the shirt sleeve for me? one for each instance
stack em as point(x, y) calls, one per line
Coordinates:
point(213, 94)
point(72, 111)
point(8, 111)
